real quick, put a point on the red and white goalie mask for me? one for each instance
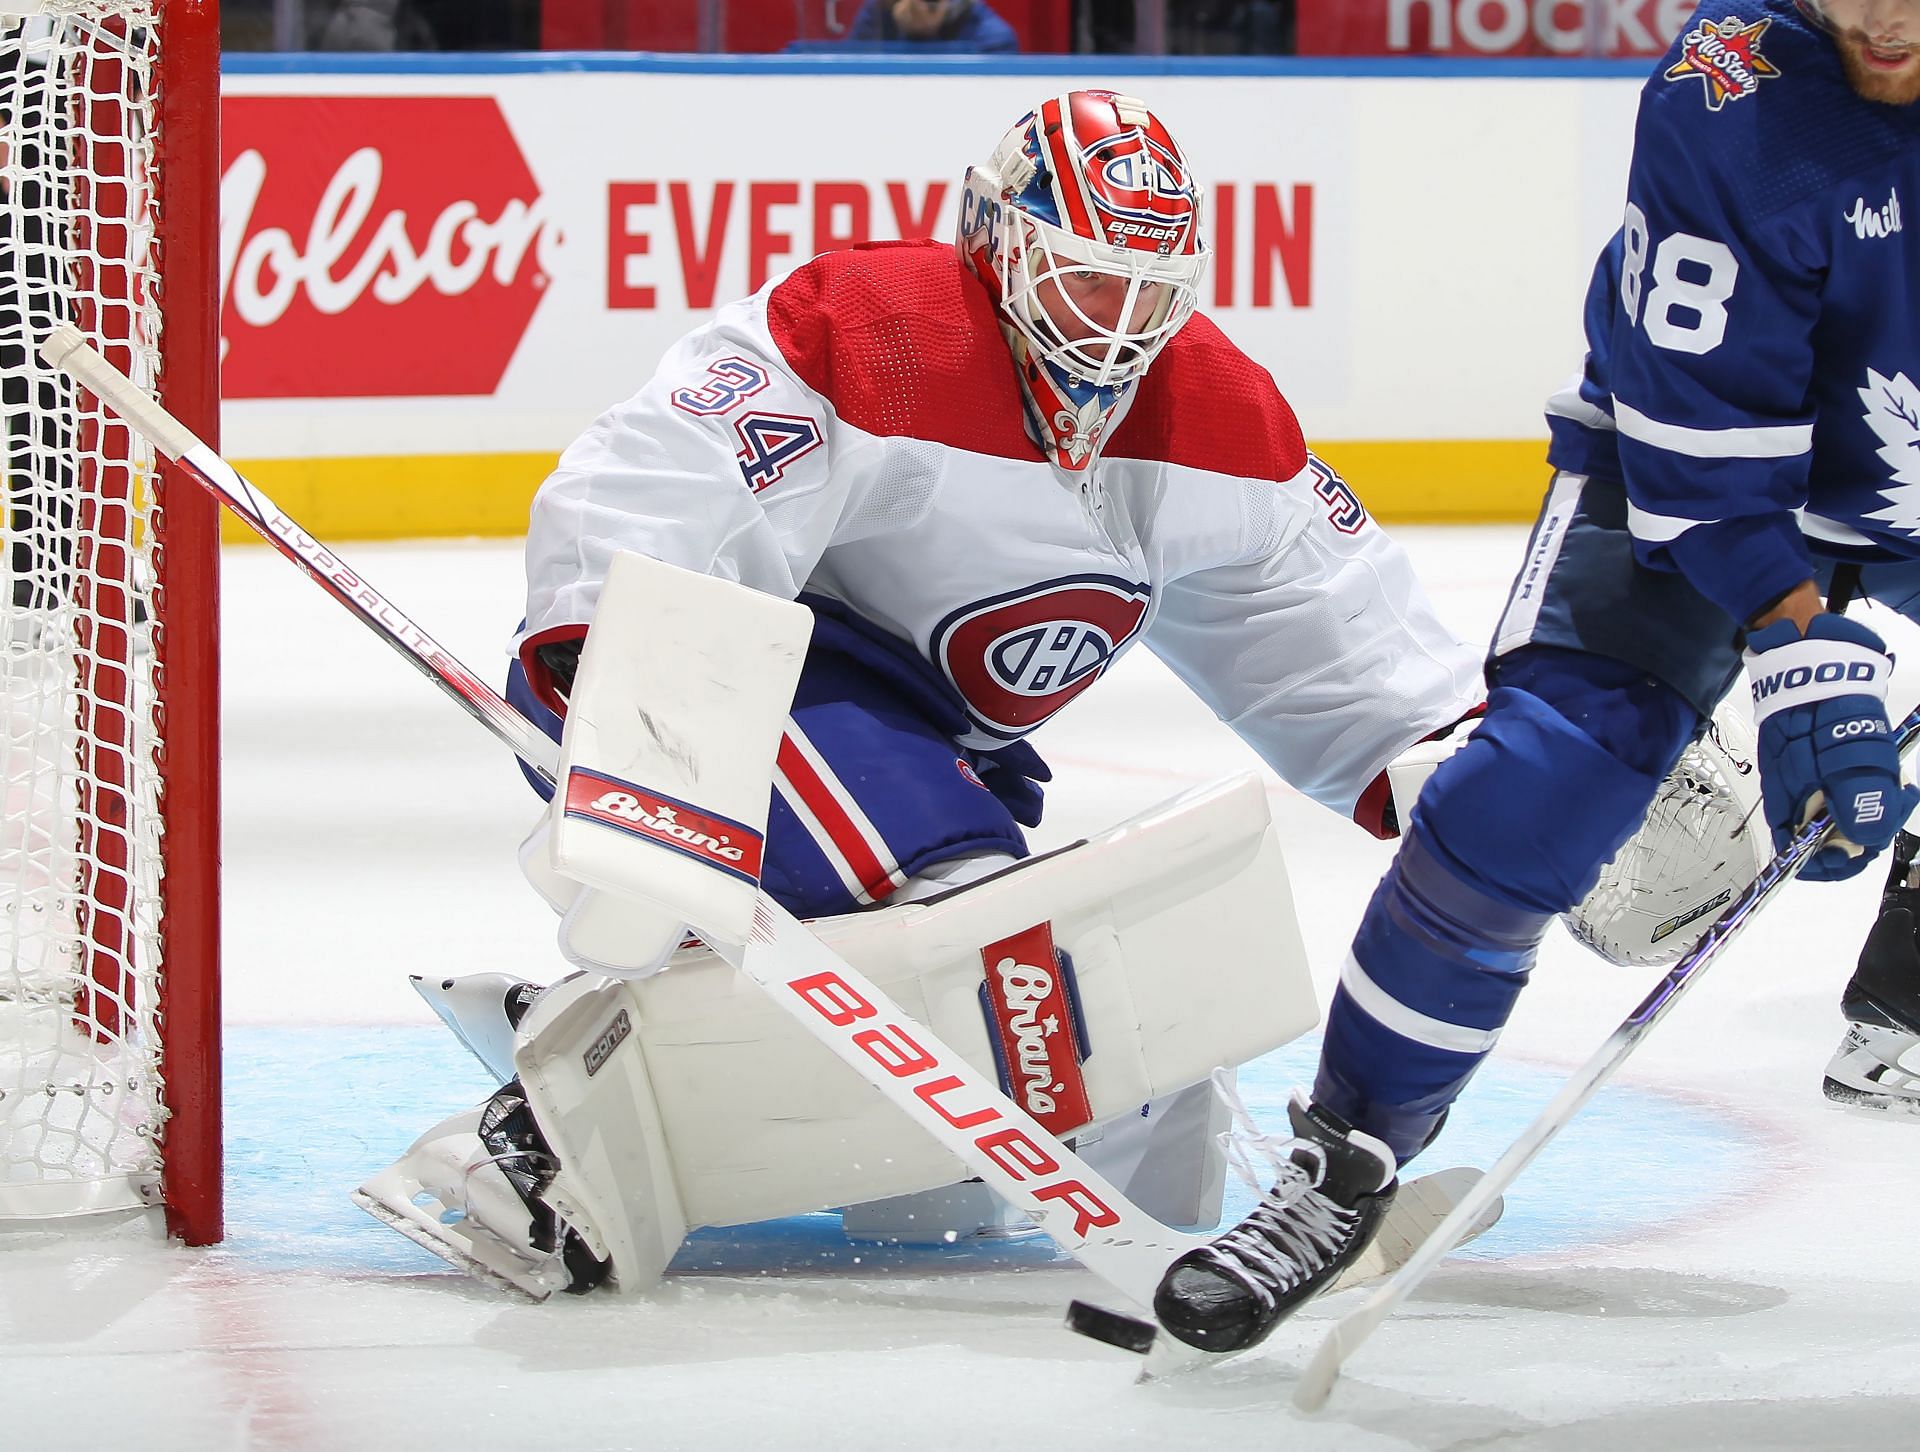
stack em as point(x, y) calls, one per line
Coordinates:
point(1085, 227)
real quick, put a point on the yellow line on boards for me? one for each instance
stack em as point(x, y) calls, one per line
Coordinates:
point(1448, 481)
point(430, 496)
point(415, 496)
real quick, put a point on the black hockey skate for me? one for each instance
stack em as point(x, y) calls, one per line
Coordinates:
point(520, 1153)
point(1877, 1065)
point(1335, 1184)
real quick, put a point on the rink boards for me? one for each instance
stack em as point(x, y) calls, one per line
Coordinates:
point(435, 271)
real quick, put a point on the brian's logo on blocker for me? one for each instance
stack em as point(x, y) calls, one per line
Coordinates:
point(719, 842)
point(1017, 658)
point(1034, 1027)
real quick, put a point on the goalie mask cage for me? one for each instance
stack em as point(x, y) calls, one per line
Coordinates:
point(109, 910)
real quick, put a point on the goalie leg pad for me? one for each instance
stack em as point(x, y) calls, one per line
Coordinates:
point(1167, 1156)
point(586, 1079)
point(1180, 926)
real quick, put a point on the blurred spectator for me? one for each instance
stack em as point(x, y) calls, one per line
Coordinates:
point(1185, 27)
point(370, 25)
point(1230, 27)
point(961, 24)
point(1103, 27)
point(482, 24)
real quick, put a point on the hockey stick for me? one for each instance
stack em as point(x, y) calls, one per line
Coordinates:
point(1316, 1382)
point(962, 1109)
point(833, 1000)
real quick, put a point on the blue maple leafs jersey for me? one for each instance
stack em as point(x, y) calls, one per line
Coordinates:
point(1753, 329)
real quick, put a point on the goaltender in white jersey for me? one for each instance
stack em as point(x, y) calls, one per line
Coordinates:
point(989, 469)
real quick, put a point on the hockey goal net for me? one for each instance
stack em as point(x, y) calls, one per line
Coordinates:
point(109, 1071)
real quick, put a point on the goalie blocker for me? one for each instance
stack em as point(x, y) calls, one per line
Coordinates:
point(1088, 981)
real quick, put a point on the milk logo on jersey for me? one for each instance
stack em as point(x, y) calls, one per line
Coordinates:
point(1034, 1026)
point(719, 842)
point(1726, 57)
point(1891, 408)
point(1870, 222)
point(1017, 658)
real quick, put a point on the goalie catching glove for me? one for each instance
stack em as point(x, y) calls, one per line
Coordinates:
point(1819, 703)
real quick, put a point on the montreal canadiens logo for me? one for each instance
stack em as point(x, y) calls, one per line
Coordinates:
point(1139, 183)
point(1017, 658)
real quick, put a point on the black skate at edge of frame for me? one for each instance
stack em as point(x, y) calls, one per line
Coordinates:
point(1129, 1333)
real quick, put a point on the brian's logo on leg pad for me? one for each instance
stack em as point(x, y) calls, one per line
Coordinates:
point(1035, 1027)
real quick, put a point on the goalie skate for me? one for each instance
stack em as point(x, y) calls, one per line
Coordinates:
point(470, 1191)
point(483, 1010)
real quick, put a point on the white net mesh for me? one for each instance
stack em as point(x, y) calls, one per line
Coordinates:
point(79, 861)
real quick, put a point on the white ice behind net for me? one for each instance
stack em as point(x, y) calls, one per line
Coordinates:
point(79, 874)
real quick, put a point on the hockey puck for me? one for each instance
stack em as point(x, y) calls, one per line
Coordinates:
point(1111, 1327)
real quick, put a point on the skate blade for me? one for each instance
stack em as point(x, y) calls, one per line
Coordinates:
point(1885, 1106)
point(1171, 1358)
point(1163, 1356)
point(446, 1250)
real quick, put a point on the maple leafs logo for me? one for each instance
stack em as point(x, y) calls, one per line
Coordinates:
point(1893, 413)
point(1726, 57)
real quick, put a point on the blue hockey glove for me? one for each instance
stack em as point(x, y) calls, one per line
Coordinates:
point(1819, 706)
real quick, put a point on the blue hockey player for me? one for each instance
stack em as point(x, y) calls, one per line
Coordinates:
point(1742, 445)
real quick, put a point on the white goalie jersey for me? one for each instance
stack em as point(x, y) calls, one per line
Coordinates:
point(854, 434)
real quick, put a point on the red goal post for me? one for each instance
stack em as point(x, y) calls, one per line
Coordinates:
point(109, 744)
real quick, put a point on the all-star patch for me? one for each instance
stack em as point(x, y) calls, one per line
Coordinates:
point(1725, 55)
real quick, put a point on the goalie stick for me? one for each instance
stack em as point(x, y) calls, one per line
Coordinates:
point(962, 1109)
point(1317, 1381)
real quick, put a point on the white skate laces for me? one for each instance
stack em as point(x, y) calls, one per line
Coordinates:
point(1295, 1231)
point(1243, 1139)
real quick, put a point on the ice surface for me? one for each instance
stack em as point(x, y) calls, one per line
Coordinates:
point(1711, 1257)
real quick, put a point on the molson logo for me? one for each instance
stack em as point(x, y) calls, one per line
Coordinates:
point(374, 246)
point(1031, 1022)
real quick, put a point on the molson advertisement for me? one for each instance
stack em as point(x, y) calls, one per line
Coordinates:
point(431, 282)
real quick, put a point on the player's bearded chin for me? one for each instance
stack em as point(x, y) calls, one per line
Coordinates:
point(1879, 69)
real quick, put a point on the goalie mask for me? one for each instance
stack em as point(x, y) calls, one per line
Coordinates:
point(1704, 840)
point(1085, 227)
